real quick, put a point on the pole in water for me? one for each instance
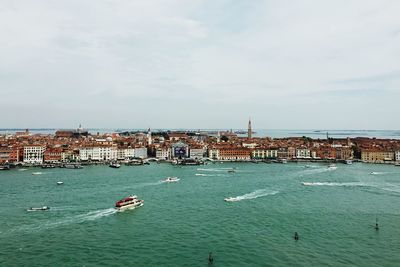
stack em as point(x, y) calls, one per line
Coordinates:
point(296, 236)
point(210, 258)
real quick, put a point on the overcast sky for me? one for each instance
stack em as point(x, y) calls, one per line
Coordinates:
point(200, 64)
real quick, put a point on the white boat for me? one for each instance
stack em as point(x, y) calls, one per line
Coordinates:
point(171, 179)
point(129, 203)
point(332, 166)
point(306, 183)
point(39, 209)
point(373, 173)
point(230, 199)
point(37, 173)
point(114, 165)
point(349, 161)
point(60, 183)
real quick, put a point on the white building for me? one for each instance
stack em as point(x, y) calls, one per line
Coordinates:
point(213, 153)
point(196, 153)
point(302, 153)
point(98, 153)
point(265, 153)
point(125, 153)
point(397, 155)
point(34, 154)
point(163, 153)
point(140, 152)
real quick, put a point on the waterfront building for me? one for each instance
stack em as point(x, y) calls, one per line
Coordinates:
point(163, 153)
point(70, 155)
point(344, 153)
point(234, 153)
point(9, 154)
point(140, 152)
point(303, 153)
point(196, 152)
point(34, 154)
point(264, 153)
point(213, 153)
point(397, 155)
point(125, 153)
point(52, 155)
point(98, 153)
point(376, 155)
point(180, 150)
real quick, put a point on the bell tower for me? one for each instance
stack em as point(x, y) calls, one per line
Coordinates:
point(249, 130)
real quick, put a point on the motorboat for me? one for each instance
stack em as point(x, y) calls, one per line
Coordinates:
point(39, 209)
point(171, 179)
point(349, 161)
point(332, 166)
point(37, 173)
point(373, 173)
point(230, 199)
point(114, 165)
point(131, 202)
point(4, 167)
point(306, 183)
point(231, 171)
point(60, 183)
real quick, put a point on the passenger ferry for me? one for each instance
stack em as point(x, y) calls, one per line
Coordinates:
point(131, 202)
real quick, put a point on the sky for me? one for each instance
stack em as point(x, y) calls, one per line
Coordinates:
point(287, 64)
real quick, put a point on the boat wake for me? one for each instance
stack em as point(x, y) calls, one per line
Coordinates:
point(317, 170)
point(256, 194)
point(394, 189)
point(81, 218)
point(334, 184)
point(209, 175)
point(216, 169)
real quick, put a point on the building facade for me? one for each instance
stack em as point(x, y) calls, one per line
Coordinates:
point(34, 154)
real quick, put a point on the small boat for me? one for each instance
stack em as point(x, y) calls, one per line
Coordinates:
point(332, 166)
point(131, 202)
point(349, 161)
point(60, 183)
point(37, 173)
point(171, 179)
point(4, 168)
point(230, 199)
point(231, 171)
point(39, 209)
point(114, 165)
point(307, 166)
point(397, 164)
point(306, 183)
point(373, 173)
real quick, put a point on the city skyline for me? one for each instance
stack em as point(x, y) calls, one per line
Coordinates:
point(200, 64)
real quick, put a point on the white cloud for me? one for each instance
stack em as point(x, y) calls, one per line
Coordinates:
point(224, 59)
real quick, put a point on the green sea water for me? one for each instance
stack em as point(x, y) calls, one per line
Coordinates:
point(180, 223)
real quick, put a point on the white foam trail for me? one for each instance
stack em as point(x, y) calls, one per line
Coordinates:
point(216, 169)
point(334, 184)
point(256, 194)
point(379, 173)
point(89, 216)
point(209, 175)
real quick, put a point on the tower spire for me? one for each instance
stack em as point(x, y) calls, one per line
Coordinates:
point(249, 130)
